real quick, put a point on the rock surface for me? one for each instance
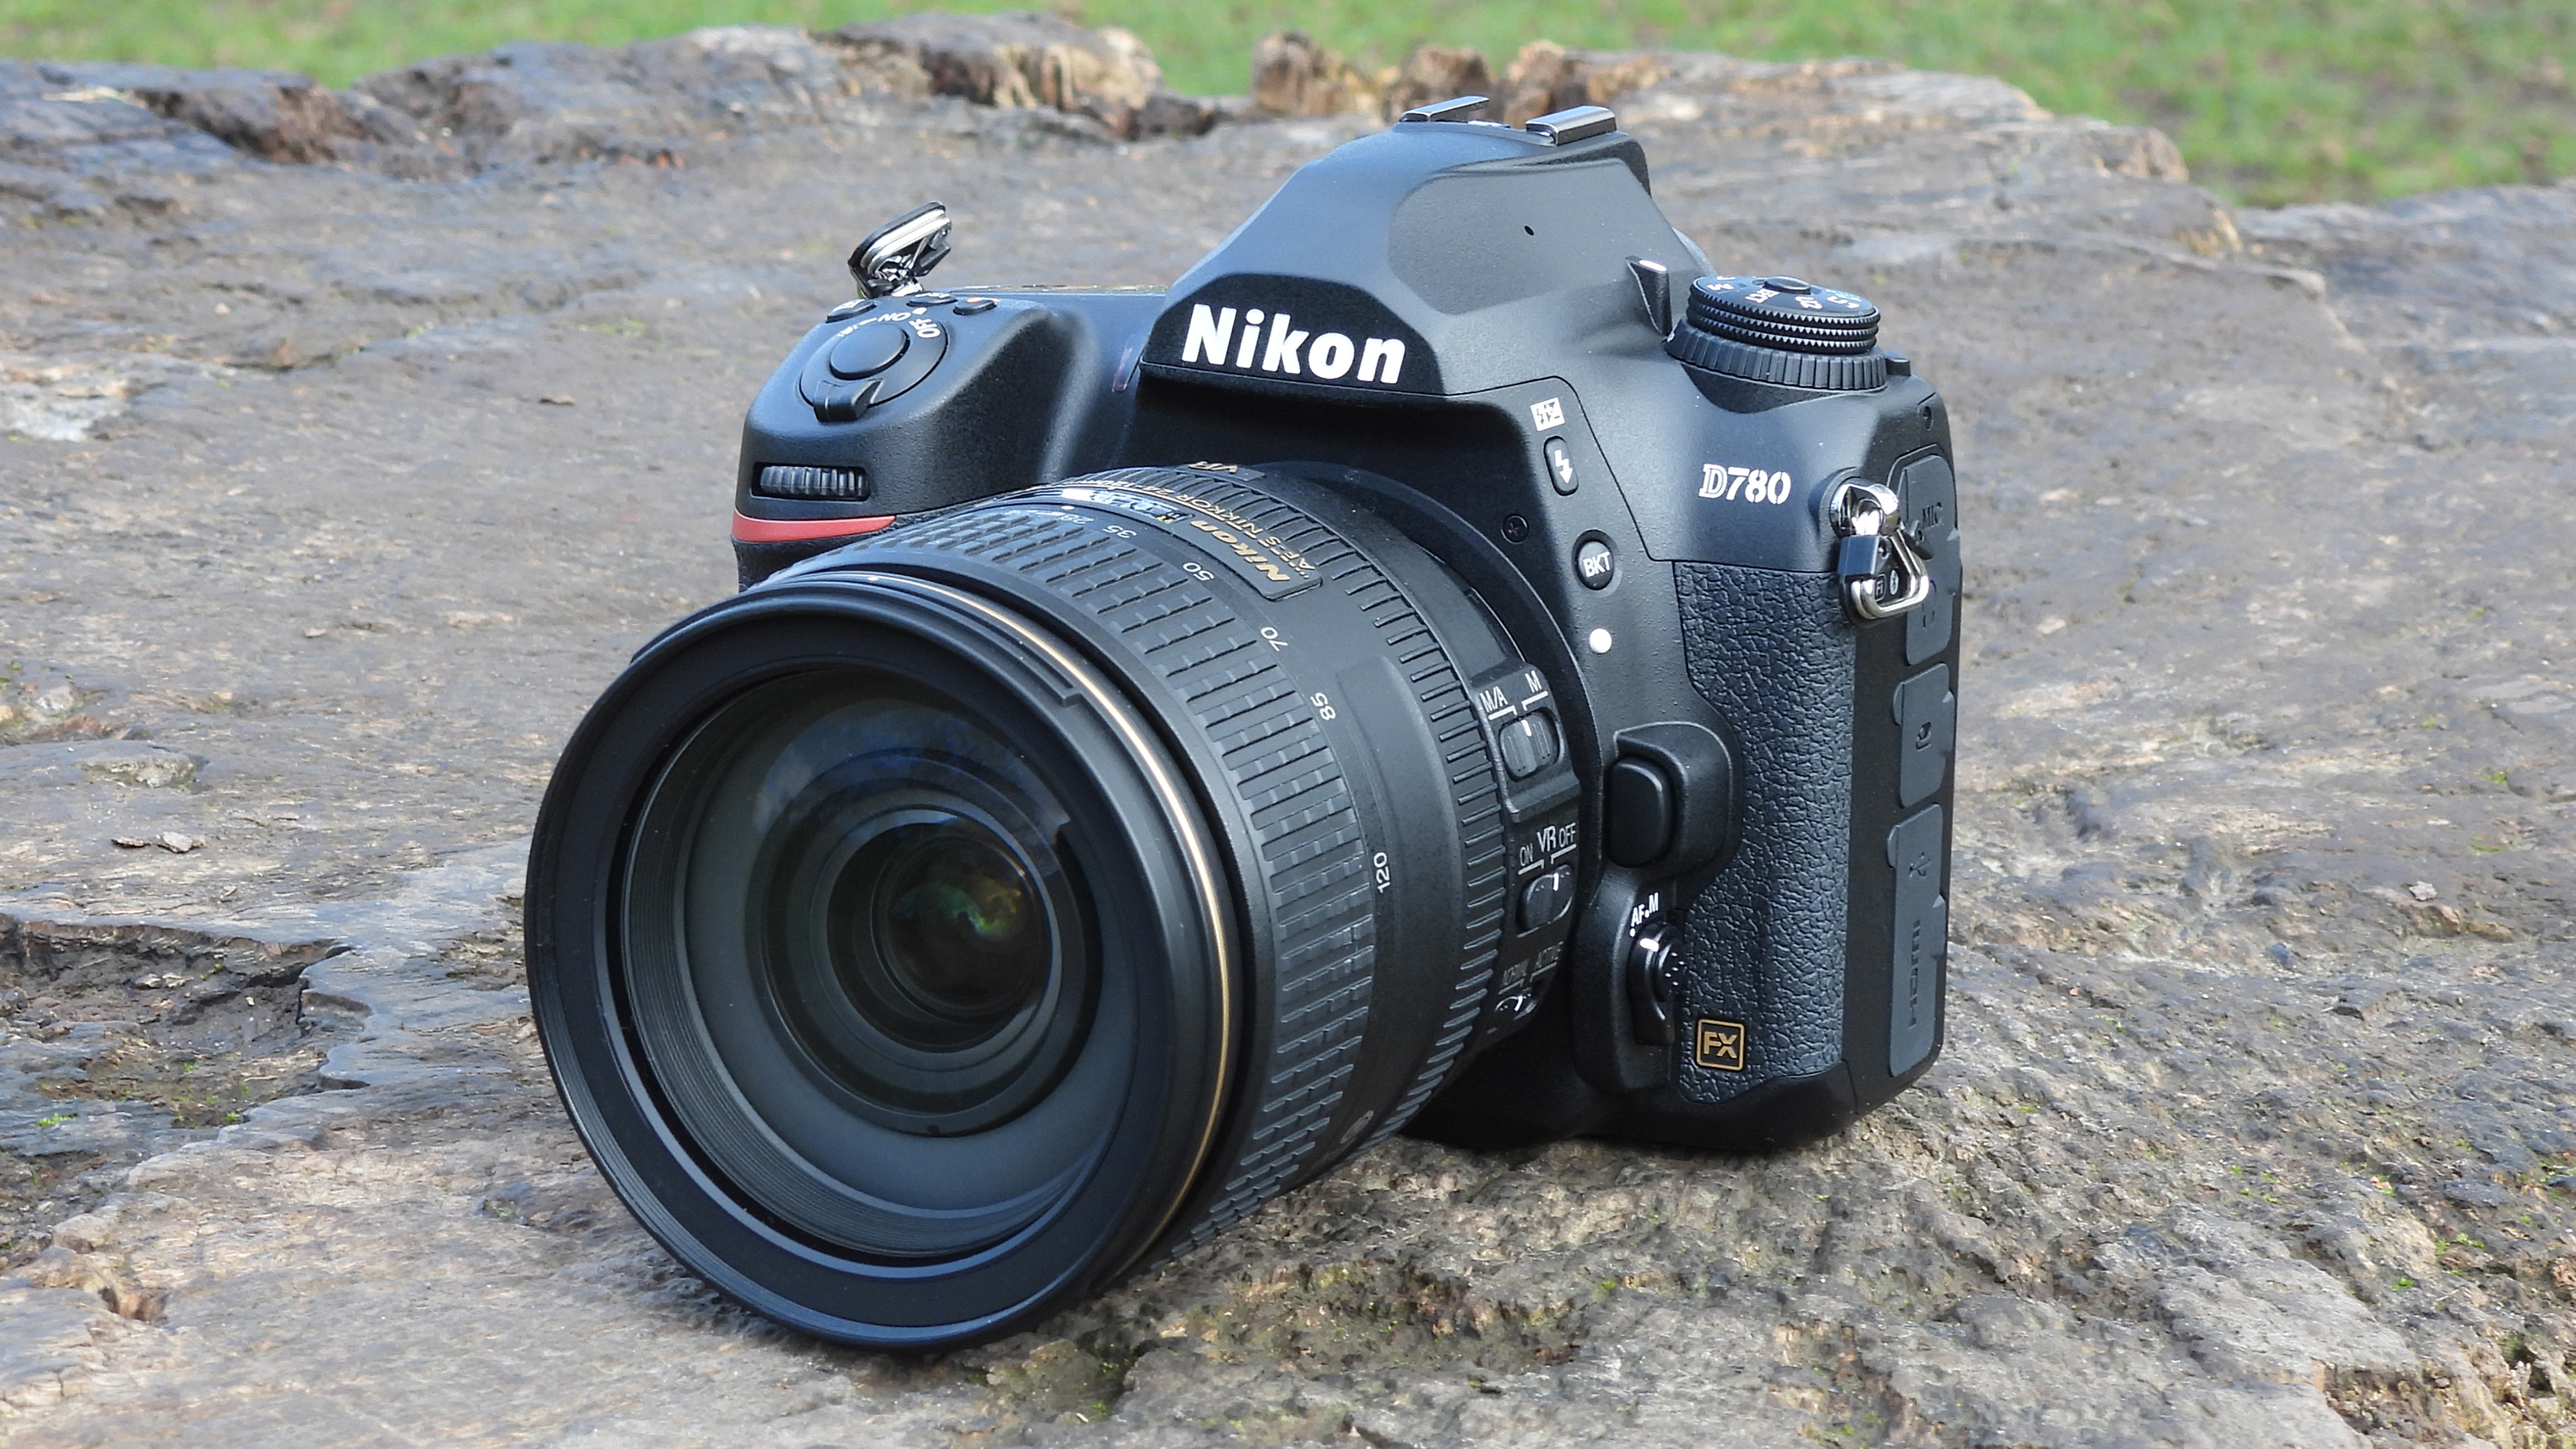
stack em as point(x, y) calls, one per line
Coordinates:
point(335, 490)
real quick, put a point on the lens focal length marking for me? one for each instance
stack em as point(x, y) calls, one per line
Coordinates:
point(1247, 546)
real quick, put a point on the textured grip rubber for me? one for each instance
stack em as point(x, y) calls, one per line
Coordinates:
point(1763, 945)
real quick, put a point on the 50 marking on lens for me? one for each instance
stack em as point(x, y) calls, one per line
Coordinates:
point(1754, 485)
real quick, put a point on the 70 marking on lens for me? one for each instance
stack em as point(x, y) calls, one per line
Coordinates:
point(1754, 485)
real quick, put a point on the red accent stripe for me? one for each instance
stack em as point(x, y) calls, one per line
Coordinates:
point(747, 529)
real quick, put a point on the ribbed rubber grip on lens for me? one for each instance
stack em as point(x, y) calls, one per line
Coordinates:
point(1285, 1131)
point(1312, 860)
point(1312, 854)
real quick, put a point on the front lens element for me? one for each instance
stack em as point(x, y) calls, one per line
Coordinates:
point(957, 923)
point(865, 964)
point(884, 872)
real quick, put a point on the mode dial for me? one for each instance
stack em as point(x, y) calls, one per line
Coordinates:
point(1781, 330)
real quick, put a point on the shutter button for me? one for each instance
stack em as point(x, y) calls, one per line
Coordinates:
point(869, 350)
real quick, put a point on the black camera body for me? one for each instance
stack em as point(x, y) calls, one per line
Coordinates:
point(1557, 653)
point(1494, 378)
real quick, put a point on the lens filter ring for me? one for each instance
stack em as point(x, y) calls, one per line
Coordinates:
point(807, 1207)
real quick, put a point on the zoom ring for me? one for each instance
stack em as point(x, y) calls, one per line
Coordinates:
point(1287, 1132)
point(1472, 785)
point(1310, 851)
point(1309, 859)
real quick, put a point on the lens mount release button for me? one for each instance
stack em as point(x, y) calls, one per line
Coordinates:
point(1637, 811)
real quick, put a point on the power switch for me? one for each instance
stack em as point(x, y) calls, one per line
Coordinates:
point(1637, 811)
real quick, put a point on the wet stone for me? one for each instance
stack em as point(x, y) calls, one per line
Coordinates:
point(2235, 1139)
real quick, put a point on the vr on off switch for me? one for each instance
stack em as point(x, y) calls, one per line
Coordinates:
point(1455, 663)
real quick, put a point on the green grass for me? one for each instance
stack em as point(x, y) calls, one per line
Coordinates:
point(2271, 100)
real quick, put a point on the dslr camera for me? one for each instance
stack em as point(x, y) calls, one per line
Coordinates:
point(1453, 663)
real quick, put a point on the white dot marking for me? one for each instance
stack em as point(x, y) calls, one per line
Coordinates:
point(1600, 641)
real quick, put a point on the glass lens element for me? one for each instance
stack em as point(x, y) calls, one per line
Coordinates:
point(959, 925)
point(865, 966)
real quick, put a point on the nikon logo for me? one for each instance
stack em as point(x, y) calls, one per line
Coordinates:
point(1284, 350)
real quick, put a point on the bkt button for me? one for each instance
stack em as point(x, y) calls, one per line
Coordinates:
point(1594, 563)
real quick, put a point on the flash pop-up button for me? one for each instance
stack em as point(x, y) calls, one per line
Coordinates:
point(1560, 466)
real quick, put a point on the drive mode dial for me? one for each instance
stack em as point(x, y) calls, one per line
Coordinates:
point(1784, 331)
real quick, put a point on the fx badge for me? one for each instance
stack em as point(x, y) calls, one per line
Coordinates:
point(1719, 1045)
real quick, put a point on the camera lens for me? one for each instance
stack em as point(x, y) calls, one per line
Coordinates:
point(931, 937)
point(877, 906)
point(953, 921)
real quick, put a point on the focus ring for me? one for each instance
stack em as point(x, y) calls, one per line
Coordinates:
point(1472, 787)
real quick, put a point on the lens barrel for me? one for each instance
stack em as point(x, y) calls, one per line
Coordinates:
point(939, 932)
